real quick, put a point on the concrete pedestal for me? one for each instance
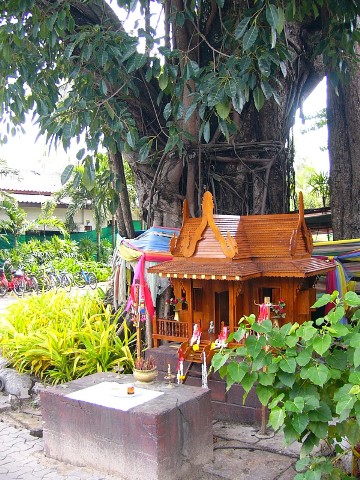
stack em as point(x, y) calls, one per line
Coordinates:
point(165, 438)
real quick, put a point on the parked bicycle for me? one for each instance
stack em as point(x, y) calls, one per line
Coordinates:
point(83, 278)
point(30, 282)
point(66, 280)
point(14, 284)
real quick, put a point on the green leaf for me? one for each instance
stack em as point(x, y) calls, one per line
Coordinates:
point(299, 422)
point(322, 301)
point(218, 360)
point(248, 381)
point(276, 418)
point(80, 154)
point(322, 344)
point(264, 394)
point(272, 15)
point(89, 175)
point(352, 299)
point(281, 21)
point(304, 357)
point(287, 379)
point(320, 429)
point(167, 111)
point(223, 110)
point(356, 359)
point(190, 111)
point(288, 365)
point(355, 340)
point(241, 27)
point(250, 37)
point(259, 98)
point(103, 87)
point(318, 374)
point(237, 370)
point(163, 81)
point(207, 132)
point(266, 379)
point(66, 174)
point(321, 414)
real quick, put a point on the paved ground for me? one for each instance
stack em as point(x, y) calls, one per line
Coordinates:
point(239, 452)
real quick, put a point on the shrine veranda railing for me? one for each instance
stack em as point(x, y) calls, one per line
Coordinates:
point(169, 329)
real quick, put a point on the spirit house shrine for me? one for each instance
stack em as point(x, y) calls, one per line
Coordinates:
point(228, 266)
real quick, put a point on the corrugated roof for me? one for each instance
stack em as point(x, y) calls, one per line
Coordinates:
point(31, 181)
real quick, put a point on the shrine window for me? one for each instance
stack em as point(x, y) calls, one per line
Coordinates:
point(272, 293)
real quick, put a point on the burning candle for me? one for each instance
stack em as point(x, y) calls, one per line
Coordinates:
point(169, 369)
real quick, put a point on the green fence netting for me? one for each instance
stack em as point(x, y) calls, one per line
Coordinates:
point(106, 234)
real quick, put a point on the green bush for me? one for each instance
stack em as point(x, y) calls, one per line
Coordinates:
point(307, 376)
point(59, 337)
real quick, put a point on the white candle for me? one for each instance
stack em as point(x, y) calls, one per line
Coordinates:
point(169, 370)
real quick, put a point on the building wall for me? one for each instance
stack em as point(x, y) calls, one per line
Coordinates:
point(84, 219)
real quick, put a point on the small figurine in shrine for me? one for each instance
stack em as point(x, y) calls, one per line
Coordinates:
point(211, 327)
point(196, 336)
point(264, 310)
point(222, 338)
point(180, 367)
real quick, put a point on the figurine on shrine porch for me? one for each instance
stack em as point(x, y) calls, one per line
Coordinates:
point(211, 327)
point(264, 310)
point(196, 336)
point(180, 367)
point(221, 341)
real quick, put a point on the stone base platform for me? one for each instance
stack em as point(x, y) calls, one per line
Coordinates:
point(226, 405)
point(164, 438)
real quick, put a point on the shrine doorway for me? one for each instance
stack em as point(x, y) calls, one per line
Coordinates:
point(221, 309)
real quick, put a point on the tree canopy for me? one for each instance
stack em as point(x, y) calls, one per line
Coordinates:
point(208, 105)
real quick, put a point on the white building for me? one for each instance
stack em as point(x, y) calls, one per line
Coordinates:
point(33, 188)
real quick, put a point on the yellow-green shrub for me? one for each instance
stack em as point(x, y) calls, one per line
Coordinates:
point(59, 337)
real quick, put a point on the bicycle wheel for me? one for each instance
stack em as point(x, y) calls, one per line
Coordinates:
point(19, 287)
point(79, 280)
point(54, 283)
point(92, 280)
point(66, 282)
point(3, 289)
point(44, 283)
point(33, 284)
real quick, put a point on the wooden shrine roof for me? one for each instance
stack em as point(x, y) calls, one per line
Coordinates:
point(233, 247)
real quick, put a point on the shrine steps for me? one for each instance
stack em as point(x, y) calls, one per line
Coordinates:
point(226, 405)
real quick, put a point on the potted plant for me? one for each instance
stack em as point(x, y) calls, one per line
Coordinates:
point(145, 369)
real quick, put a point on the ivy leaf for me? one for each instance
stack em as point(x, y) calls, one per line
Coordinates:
point(299, 422)
point(357, 357)
point(219, 360)
point(352, 299)
point(287, 379)
point(276, 418)
point(237, 370)
point(322, 343)
point(288, 365)
point(318, 375)
point(250, 37)
point(264, 394)
point(248, 381)
point(259, 98)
